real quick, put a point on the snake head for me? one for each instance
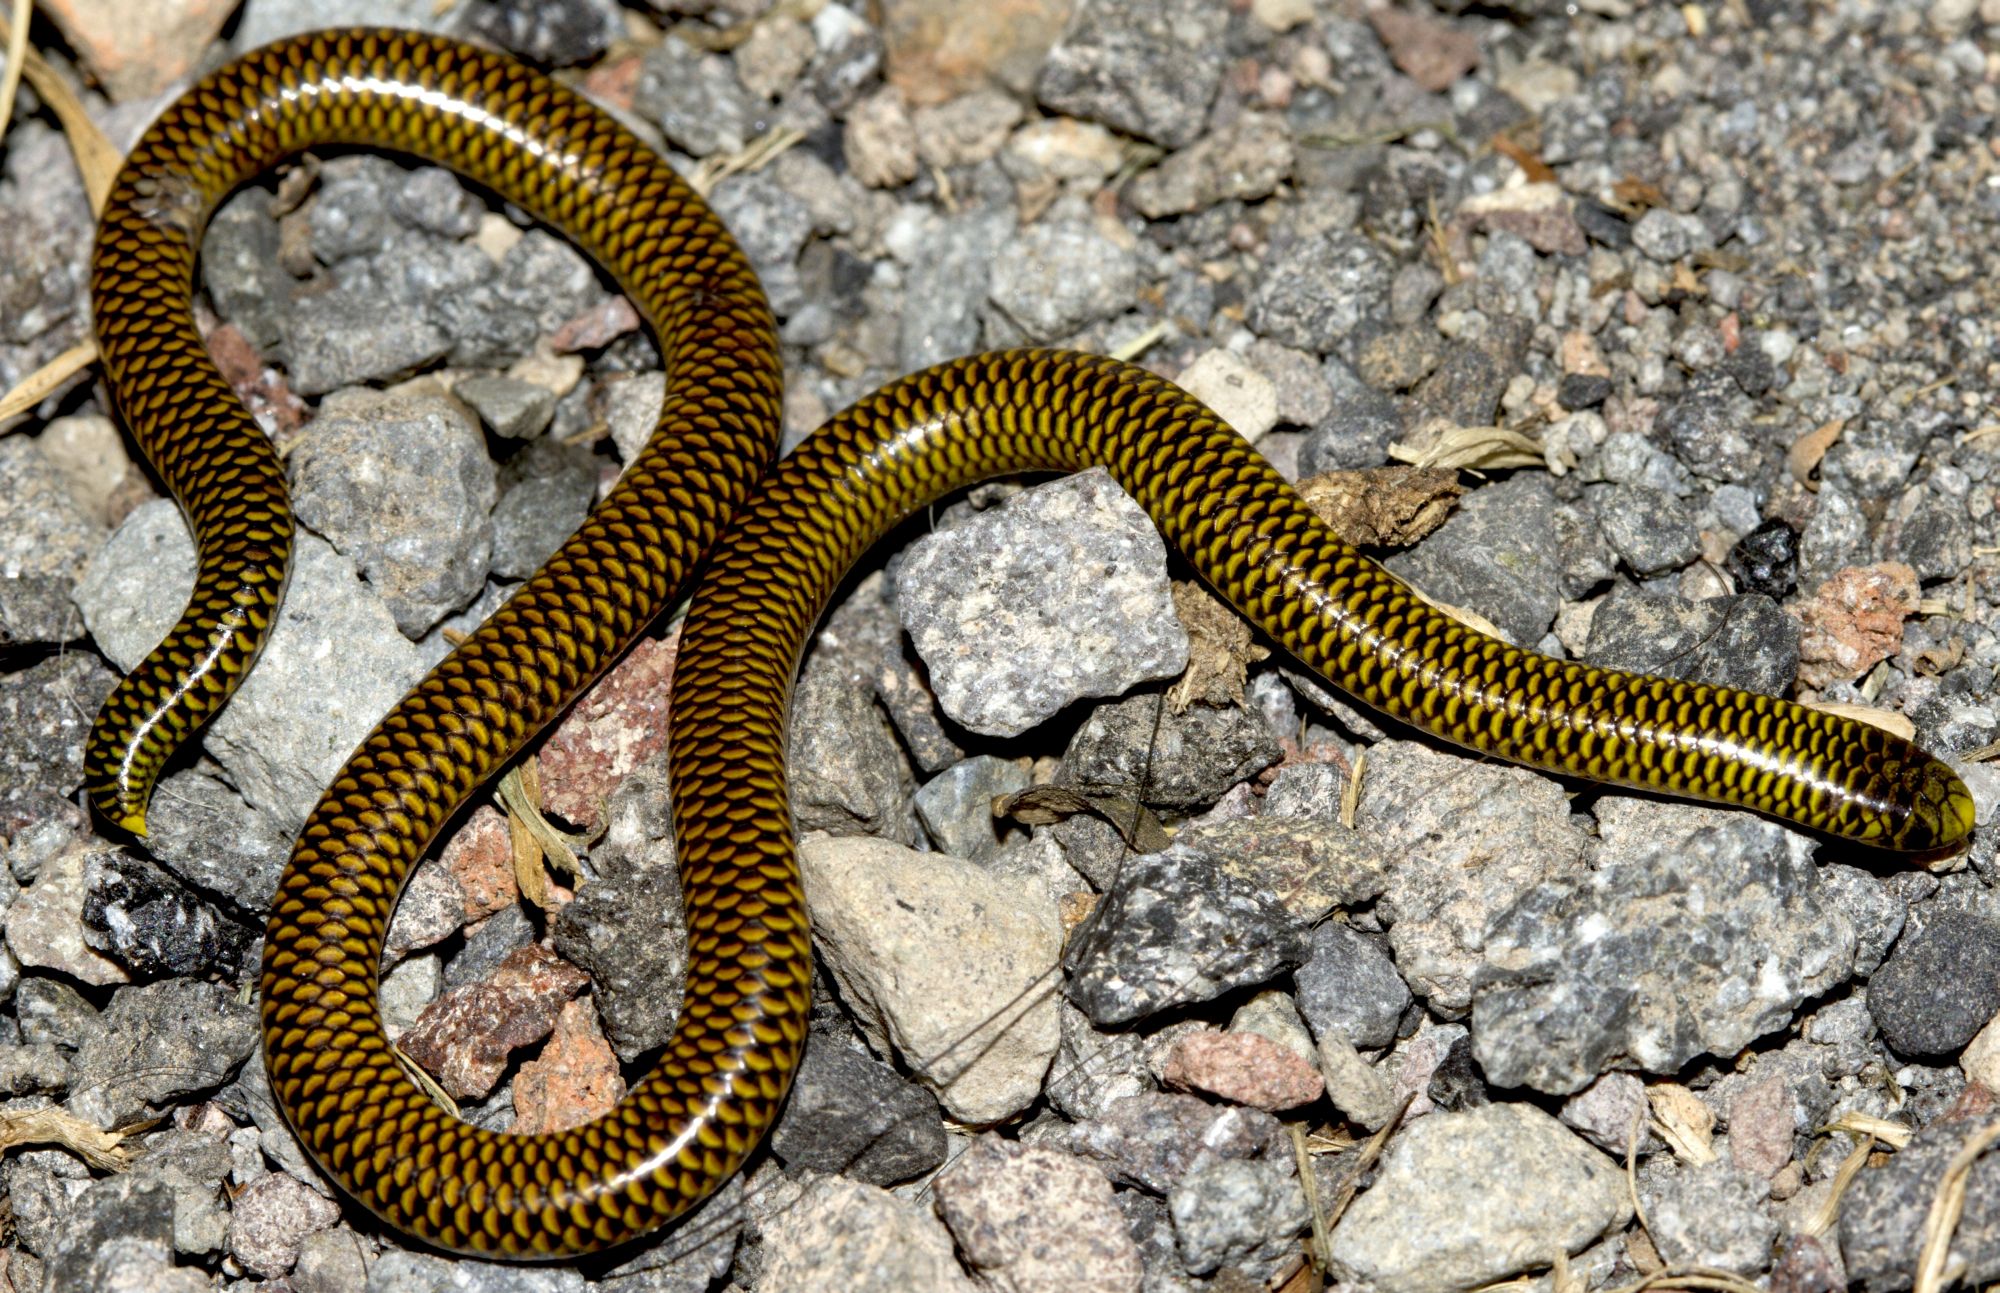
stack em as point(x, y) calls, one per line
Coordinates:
point(1938, 814)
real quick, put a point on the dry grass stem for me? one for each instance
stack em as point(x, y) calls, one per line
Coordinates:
point(1946, 1207)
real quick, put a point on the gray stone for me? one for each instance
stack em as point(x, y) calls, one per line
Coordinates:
point(1766, 560)
point(1153, 1140)
point(1056, 278)
point(403, 486)
point(264, 21)
point(856, 1116)
point(947, 282)
point(1647, 527)
point(1246, 159)
point(37, 609)
point(1836, 537)
point(507, 405)
point(1470, 838)
point(44, 527)
point(45, 715)
point(333, 665)
point(1095, 1067)
point(1929, 533)
point(1315, 292)
point(431, 198)
point(546, 492)
point(844, 1235)
point(541, 283)
point(346, 336)
point(1355, 432)
point(1309, 866)
point(956, 806)
point(1242, 1213)
point(1712, 1217)
point(1939, 986)
point(1875, 910)
point(1058, 594)
point(1139, 748)
point(696, 100)
point(1698, 931)
point(148, 922)
point(203, 832)
point(158, 1043)
point(1743, 641)
point(1497, 555)
point(552, 33)
point(1465, 1199)
point(626, 927)
point(240, 268)
point(1666, 236)
point(270, 1218)
point(1138, 66)
point(45, 925)
point(1176, 929)
point(1883, 1214)
point(1349, 987)
point(1707, 431)
point(849, 776)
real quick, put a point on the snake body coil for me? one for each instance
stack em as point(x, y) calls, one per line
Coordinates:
point(718, 1085)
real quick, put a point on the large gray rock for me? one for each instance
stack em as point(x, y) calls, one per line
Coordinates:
point(1470, 839)
point(1698, 931)
point(1498, 555)
point(404, 487)
point(1055, 278)
point(333, 665)
point(1140, 66)
point(1465, 1199)
point(946, 963)
point(1058, 594)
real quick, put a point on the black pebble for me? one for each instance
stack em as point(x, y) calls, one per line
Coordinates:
point(1766, 560)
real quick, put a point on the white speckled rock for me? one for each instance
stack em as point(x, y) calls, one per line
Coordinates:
point(947, 962)
point(1464, 1199)
point(1033, 1219)
point(1058, 594)
point(845, 1235)
point(333, 665)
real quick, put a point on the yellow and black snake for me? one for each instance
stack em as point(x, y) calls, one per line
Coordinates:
point(718, 1085)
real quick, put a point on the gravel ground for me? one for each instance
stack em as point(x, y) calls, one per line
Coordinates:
point(1694, 295)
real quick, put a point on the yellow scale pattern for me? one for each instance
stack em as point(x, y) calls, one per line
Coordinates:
point(687, 1126)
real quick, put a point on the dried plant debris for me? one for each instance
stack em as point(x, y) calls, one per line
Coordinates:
point(1383, 507)
point(1574, 316)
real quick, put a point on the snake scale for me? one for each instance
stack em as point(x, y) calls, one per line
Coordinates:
point(717, 1086)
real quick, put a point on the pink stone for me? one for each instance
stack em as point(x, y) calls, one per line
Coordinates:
point(1243, 1068)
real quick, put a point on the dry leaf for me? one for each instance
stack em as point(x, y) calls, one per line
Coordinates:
point(1220, 649)
point(1481, 448)
point(1045, 805)
point(1683, 1121)
point(1383, 507)
point(1804, 456)
point(536, 845)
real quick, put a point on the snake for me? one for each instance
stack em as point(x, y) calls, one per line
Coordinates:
point(779, 541)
